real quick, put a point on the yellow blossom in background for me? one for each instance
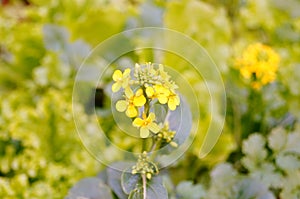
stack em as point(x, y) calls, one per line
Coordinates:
point(131, 103)
point(121, 79)
point(259, 63)
point(146, 124)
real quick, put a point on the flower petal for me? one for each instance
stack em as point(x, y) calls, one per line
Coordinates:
point(139, 92)
point(144, 132)
point(162, 99)
point(125, 83)
point(128, 92)
point(162, 90)
point(137, 122)
point(171, 104)
point(131, 111)
point(116, 86)
point(149, 91)
point(117, 75)
point(139, 101)
point(151, 116)
point(126, 72)
point(153, 127)
point(121, 105)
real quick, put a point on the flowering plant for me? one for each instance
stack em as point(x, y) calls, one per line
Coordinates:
point(255, 46)
point(148, 97)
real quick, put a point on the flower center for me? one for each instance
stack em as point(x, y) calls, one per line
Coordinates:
point(262, 56)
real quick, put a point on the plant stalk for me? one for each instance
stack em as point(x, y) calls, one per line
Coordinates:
point(144, 186)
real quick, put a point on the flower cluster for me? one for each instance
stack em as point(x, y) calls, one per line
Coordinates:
point(145, 166)
point(143, 87)
point(258, 63)
point(167, 135)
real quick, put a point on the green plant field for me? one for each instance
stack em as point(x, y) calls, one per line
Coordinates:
point(255, 46)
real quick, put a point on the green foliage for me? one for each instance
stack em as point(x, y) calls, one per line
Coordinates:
point(270, 170)
point(35, 158)
point(90, 188)
point(129, 181)
point(42, 46)
point(186, 190)
point(121, 181)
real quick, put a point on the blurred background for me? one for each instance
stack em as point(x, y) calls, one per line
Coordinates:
point(43, 43)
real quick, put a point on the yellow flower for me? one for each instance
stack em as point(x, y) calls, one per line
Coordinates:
point(131, 103)
point(146, 124)
point(121, 79)
point(150, 92)
point(159, 92)
point(173, 101)
point(258, 63)
point(164, 96)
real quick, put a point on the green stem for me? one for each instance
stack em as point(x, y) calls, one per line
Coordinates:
point(144, 186)
point(143, 145)
point(153, 147)
point(237, 124)
point(147, 107)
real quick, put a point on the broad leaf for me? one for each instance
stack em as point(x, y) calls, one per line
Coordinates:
point(277, 139)
point(103, 176)
point(161, 111)
point(288, 161)
point(114, 174)
point(130, 181)
point(90, 188)
point(187, 190)
point(55, 37)
point(155, 189)
point(180, 121)
point(136, 193)
point(252, 189)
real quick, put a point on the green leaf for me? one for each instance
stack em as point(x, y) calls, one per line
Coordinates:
point(252, 189)
point(161, 112)
point(136, 193)
point(187, 190)
point(155, 189)
point(258, 152)
point(151, 15)
point(293, 142)
point(277, 139)
point(180, 121)
point(114, 174)
point(75, 53)
point(103, 176)
point(129, 181)
point(90, 188)
point(288, 161)
point(266, 174)
point(55, 37)
point(223, 174)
